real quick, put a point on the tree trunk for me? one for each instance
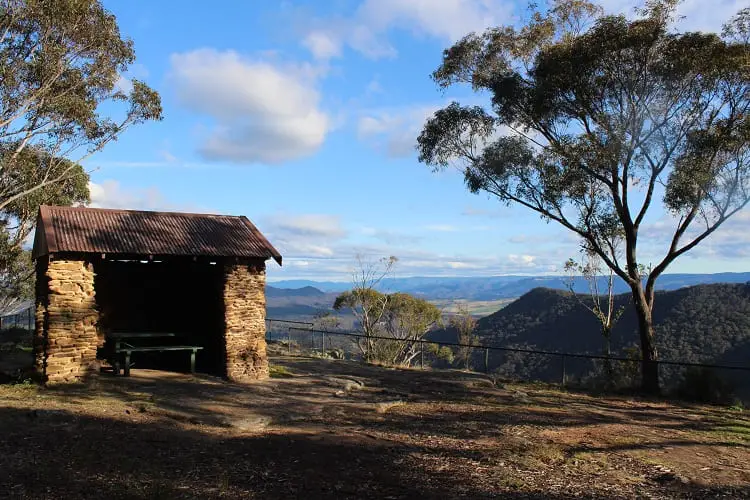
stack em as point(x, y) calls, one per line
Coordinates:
point(649, 355)
point(608, 369)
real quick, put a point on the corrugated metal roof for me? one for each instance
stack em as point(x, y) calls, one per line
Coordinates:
point(131, 232)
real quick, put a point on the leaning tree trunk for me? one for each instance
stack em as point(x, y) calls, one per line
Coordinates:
point(649, 355)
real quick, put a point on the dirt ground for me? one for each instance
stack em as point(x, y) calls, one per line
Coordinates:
point(337, 429)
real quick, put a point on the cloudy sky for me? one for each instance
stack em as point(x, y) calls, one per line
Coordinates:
point(303, 116)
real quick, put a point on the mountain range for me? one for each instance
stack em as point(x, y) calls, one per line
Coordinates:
point(503, 287)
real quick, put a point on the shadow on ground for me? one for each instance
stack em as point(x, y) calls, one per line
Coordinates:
point(333, 429)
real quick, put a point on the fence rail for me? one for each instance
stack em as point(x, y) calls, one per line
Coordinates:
point(564, 359)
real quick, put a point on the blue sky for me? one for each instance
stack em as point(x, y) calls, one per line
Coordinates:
point(303, 116)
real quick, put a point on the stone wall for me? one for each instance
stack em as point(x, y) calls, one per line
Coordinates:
point(244, 321)
point(66, 337)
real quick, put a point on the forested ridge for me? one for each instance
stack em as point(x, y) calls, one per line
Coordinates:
point(704, 323)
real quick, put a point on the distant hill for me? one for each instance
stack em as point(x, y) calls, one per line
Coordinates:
point(704, 323)
point(307, 291)
point(297, 303)
point(503, 287)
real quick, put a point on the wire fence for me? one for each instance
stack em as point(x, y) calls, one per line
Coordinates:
point(700, 381)
point(22, 319)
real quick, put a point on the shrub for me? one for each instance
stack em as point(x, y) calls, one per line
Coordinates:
point(704, 385)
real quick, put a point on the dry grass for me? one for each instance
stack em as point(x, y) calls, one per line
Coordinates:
point(333, 429)
point(277, 371)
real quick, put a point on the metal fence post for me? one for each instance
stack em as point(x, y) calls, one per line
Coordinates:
point(421, 354)
point(322, 341)
point(486, 360)
point(563, 369)
point(289, 340)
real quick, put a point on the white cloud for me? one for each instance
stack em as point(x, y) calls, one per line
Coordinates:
point(308, 225)
point(412, 262)
point(699, 15)
point(462, 265)
point(168, 157)
point(447, 19)
point(525, 260)
point(304, 249)
point(394, 131)
point(110, 194)
point(304, 236)
point(441, 228)
point(390, 236)
point(263, 112)
point(374, 87)
point(322, 45)
point(366, 30)
point(730, 242)
point(124, 84)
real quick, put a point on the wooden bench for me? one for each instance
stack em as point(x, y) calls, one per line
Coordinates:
point(125, 350)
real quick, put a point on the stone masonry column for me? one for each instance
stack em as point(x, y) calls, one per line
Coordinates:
point(245, 321)
point(66, 336)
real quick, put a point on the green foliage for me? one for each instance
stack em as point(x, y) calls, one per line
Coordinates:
point(464, 324)
point(590, 114)
point(61, 64)
point(441, 353)
point(409, 317)
point(401, 317)
point(16, 274)
point(704, 385)
point(698, 324)
point(325, 320)
point(278, 371)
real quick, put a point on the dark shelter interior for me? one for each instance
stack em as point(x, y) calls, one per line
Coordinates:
point(176, 296)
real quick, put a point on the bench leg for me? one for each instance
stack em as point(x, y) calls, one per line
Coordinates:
point(116, 366)
point(192, 361)
point(126, 368)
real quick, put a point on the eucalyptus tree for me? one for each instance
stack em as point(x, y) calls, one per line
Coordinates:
point(63, 97)
point(598, 121)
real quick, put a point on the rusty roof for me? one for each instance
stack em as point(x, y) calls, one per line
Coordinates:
point(132, 232)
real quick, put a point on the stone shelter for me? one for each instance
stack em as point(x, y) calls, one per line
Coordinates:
point(100, 271)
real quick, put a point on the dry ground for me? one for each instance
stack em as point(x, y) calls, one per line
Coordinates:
point(336, 429)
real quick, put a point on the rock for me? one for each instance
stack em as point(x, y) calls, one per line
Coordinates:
point(384, 406)
point(251, 423)
point(349, 384)
point(335, 353)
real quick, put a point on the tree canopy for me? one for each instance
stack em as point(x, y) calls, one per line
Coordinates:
point(62, 65)
point(63, 97)
point(399, 316)
point(595, 117)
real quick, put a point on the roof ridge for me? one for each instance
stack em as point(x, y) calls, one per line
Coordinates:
point(129, 210)
point(86, 230)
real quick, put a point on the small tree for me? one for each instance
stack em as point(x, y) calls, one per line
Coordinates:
point(595, 117)
point(465, 324)
point(326, 320)
point(407, 320)
point(366, 303)
point(601, 305)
